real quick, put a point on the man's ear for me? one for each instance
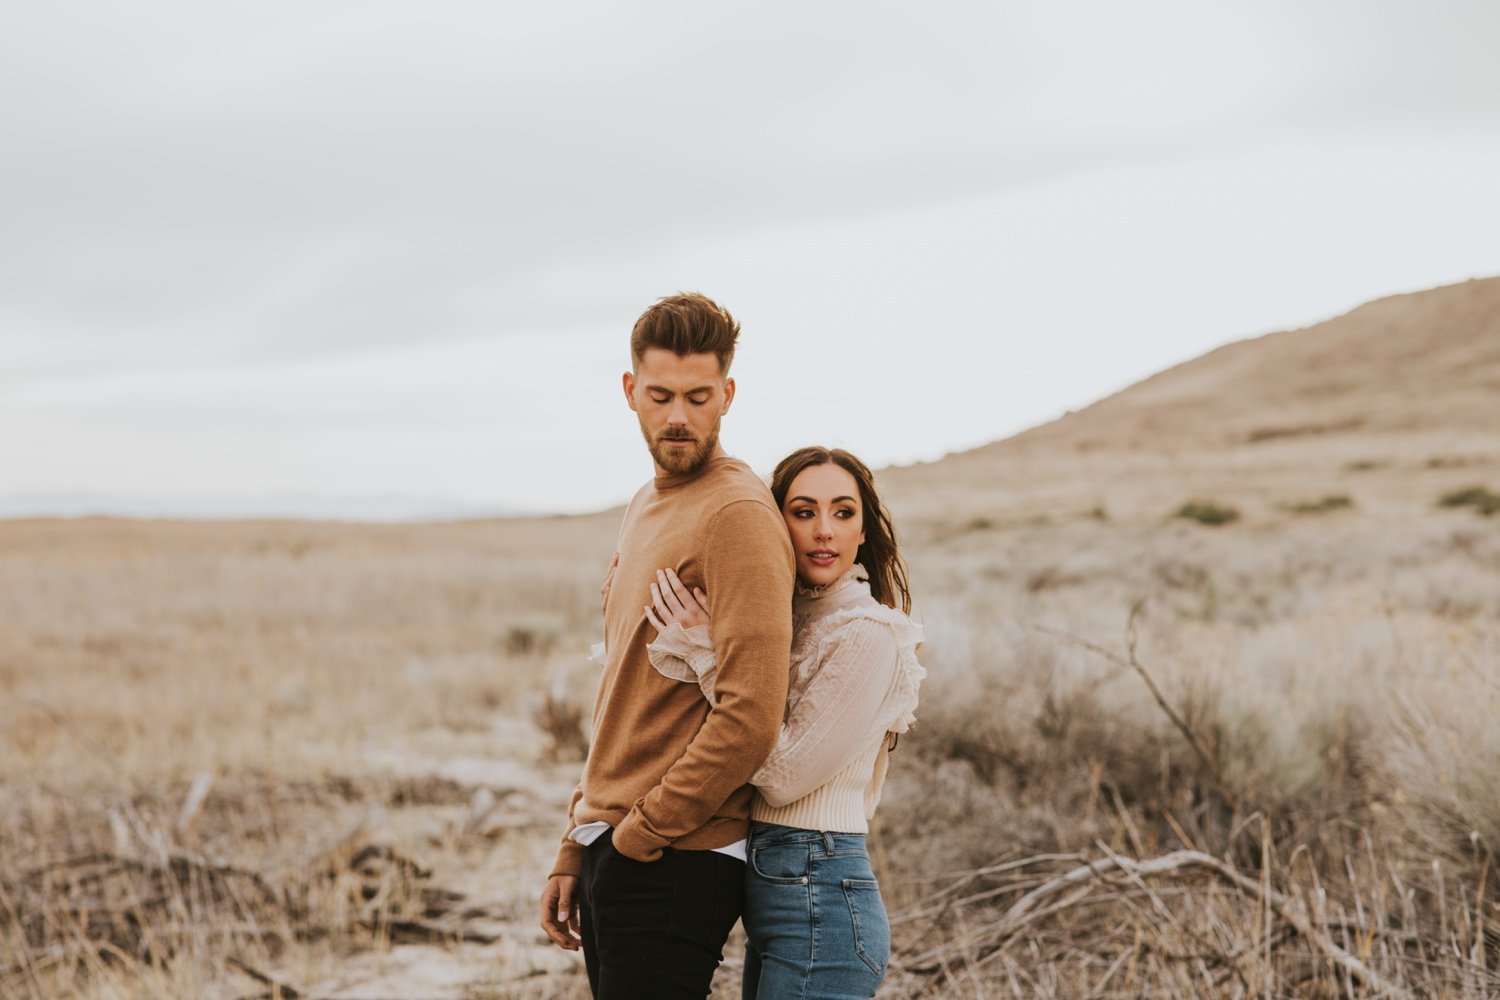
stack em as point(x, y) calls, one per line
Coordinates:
point(628, 382)
point(728, 395)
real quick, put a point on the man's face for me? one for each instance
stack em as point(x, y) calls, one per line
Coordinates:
point(679, 400)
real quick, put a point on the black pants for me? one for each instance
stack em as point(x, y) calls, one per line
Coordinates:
point(656, 930)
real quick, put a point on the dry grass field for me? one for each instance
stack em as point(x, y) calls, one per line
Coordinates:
point(1214, 668)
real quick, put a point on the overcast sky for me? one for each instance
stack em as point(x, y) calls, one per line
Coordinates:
point(381, 259)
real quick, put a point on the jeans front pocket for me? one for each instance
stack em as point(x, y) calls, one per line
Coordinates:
point(872, 931)
point(782, 864)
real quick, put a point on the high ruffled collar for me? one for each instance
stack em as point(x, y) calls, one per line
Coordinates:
point(853, 576)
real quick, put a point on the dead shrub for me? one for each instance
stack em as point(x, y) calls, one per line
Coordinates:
point(528, 640)
point(560, 718)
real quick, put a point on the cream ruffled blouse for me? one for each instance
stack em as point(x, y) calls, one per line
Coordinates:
point(854, 680)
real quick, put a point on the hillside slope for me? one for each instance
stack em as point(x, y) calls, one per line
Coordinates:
point(1400, 386)
point(1424, 361)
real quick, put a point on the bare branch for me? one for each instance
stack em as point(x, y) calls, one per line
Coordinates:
point(1210, 762)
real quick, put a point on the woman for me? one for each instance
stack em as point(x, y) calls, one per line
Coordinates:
point(814, 919)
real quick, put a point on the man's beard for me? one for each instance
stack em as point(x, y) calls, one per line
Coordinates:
point(678, 461)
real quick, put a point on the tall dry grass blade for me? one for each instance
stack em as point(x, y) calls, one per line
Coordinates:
point(192, 804)
point(1268, 980)
point(1109, 973)
point(1477, 956)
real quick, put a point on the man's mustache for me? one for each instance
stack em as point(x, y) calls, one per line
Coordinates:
point(677, 436)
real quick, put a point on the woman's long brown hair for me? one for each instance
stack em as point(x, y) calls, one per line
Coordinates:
point(879, 554)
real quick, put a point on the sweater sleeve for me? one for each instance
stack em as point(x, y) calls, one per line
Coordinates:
point(748, 572)
point(570, 853)
point(838, 713)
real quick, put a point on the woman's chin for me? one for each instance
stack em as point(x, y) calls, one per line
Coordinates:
point(819, 576)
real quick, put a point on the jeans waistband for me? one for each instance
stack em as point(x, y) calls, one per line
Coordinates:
point(763, 834)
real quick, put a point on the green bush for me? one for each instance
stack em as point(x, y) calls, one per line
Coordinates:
point(1208, 512)
point(527, 640)
point(1482, 499)
point(1323, 506)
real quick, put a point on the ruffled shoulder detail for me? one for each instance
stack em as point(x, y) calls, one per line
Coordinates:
point(813, 634)
point(898, 710)
point(906, 631)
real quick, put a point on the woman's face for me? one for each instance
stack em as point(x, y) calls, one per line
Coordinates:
point(826, 522)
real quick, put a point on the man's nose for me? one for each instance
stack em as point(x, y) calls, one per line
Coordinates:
point(677, 414)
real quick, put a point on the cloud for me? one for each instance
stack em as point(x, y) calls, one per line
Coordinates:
point(289, 180)
point(902, 336)
point(204, 203)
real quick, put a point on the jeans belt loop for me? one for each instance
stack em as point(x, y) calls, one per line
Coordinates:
point(827, 841)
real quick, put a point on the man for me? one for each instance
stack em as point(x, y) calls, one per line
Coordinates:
point(651, 870)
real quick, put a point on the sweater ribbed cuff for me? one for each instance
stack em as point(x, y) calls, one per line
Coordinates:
point(635, 840)
point(569, 860)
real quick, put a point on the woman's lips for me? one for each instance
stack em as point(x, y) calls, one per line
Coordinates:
point(822, 558)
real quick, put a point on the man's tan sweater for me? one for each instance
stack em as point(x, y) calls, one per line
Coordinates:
point(666, 767)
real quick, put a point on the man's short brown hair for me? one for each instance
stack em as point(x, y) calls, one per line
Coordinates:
point(686, 323)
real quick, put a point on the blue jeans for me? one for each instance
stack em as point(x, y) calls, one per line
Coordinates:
point(814, 920)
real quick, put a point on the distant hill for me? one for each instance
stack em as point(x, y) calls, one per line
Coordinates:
point(1425, 361)
point(292, 506)
point(1403, 384)
point(1387, 406)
